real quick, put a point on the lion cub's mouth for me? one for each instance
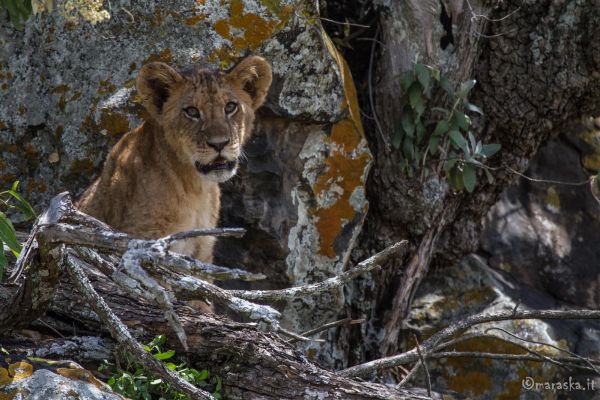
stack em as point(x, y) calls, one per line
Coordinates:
point(218, 164)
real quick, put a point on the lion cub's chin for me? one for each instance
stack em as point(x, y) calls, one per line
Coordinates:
point(217, 171)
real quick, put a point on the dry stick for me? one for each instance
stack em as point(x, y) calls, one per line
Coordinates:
point(222, 232)
point(384, 139)
point(364, 370)
point(119, 331)
point(583, 359)
point(536, 356)
point(345, 321)
point(363, 267)
point(416, 368)
point(566, 362)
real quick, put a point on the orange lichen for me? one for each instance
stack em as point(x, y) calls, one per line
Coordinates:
point(106, 87)
point(2, 125)
point(255, 29)
point(191, 21)
point(21, 110)
point(82, 167)
point(5, 378)
point(342, 168)
point(222, 28)
point(114, 123)
point(20, 370)
point(165, 56)
point(60, 89)
point(81, 375)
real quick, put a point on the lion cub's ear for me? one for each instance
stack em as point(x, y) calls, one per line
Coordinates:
point(253, 75)
point(155, 83)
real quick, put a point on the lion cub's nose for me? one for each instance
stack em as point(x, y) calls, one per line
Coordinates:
point(218, 146)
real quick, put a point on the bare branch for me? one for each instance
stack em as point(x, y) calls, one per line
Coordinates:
point(221, 232)
point(366, 369)
point(345, 321)
point(311, 289)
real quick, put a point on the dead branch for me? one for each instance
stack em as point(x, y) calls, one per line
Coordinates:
point(366, 369)
point(120, 332)
point(363, 267)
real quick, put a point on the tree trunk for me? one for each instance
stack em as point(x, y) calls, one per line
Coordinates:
point(536, 64)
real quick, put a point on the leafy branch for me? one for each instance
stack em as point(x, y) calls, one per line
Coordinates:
point(421, 130)
point(11, 199)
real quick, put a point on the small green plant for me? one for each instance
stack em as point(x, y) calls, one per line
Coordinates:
point(132, 381)
point(421, 131)
point(18, 11)
point(10, 199)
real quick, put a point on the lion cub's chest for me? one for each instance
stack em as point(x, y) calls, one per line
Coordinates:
point(197, 212)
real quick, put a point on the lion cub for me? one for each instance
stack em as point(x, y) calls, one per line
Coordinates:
point(163, 176)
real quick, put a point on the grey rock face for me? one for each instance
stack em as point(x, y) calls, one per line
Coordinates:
point(543, 234)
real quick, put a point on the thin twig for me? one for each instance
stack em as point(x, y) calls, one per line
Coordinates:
point(345, 321)
point(583, 359)
point(219, 232)
point(364, 370)
point(566, 362)
point(371, 97)
point(344, 23)
point(363, 267)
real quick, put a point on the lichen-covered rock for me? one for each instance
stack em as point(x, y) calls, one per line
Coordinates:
point(472, 287)
point(22, 378)
point(67, 94)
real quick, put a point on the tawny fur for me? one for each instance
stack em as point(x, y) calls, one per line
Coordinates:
point(150, 185)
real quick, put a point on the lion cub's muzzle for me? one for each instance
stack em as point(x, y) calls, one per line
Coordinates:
point(218, 164)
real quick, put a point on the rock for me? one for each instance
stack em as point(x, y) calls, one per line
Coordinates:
point(471, 287)
point(23, 380)
point(542, 233)
point(67, 94)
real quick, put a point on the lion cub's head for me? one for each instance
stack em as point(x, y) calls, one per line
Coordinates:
point(206, 115)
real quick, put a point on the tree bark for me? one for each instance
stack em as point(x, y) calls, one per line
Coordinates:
point(536, 64)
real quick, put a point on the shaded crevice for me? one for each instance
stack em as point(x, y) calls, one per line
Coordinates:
point(446, 21)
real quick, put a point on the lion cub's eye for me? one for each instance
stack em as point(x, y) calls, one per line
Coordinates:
point(230, 108)
point(192, 113)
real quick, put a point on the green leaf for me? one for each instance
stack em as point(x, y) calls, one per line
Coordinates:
point(156, 381)
point(408, 148)
point(171, 366)
point(435, 73)
point(469, 177)
point(423, 75)
point(3, 263)
point(415, 96)
point(408, 126)
point(165, 355)
point(449, 164)
point(458, 140)
point(472, 141)
point(22, 205)
point(474, 108)
point(406, 80)
point(446, 86)
point(420, 131)
point(489, 176)
point(7, 234)
point(489, 150)
point(462, 120)
point(440, 128)
point(434, 142)
point(203, 375)
point(598, 180)
point(465, 88)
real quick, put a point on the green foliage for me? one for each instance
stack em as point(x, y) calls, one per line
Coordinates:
point(18, 11)
point(421, 130)
point(10, 199)
point(132, 381)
